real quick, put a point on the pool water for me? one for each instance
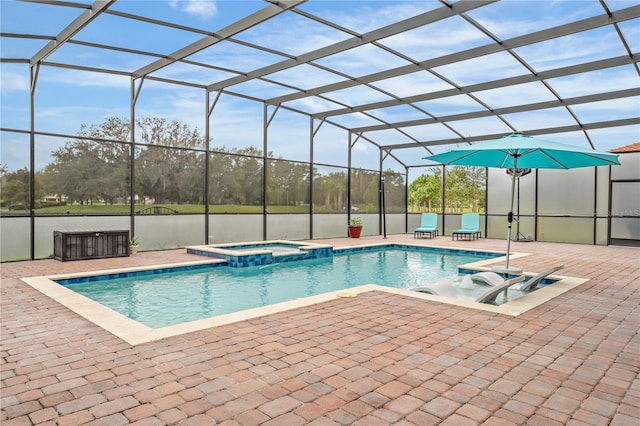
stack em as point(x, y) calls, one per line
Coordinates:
point(160, 300)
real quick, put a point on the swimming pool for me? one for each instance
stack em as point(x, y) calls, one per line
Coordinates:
point(134, 332)
point(160, 298)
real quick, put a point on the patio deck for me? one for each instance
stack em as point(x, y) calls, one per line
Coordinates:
point(374, 359)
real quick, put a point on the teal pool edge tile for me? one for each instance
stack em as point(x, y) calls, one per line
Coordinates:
point(396, 246)
point(128, 274)
point(268, 258)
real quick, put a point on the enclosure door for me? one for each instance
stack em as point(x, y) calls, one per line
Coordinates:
point(624, 228)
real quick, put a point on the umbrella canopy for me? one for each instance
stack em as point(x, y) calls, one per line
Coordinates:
point(518, 151)
point(527, 152)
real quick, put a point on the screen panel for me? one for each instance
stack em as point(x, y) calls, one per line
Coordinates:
point(84, 175)
point(630, 168)
point(177, 231)
point(465, 189)
point(288, 227)
point(15, 189)
point(330, 189)
point(566, 192)
point(235, 183)
point(287, 187)
point(233, 228)
point(395, 192)
point(15, 242)
point(566, 230)
point(169, 181)
point(329, 225)
point(365, 191)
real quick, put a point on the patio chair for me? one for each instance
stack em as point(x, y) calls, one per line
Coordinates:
point(428, 225)
point(469, 227)
point(446, 289)
point(493, 279)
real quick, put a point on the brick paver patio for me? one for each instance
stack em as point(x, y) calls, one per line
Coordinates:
point(374, 359)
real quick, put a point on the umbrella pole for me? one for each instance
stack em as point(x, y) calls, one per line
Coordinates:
point(510, 216)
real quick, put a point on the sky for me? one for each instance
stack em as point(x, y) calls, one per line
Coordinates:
point(65, 98)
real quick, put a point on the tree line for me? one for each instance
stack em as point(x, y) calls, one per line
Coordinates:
point(169, 168)
point(95, 168)
point(465, 189)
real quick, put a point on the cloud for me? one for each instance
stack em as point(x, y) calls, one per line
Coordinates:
point(67, 81)
point(205, 9)
point(12, 82)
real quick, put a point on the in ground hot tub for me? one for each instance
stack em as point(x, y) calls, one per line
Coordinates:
point(240, 255)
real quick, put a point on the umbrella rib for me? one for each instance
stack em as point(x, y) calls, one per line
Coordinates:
point(587, 154)
point(611, 163)
point(509, 153)
point(553, 159)
point(466, 154)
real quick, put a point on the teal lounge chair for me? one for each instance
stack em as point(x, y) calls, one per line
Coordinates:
point(446, 289)
point(428, 225)
point(469, 227)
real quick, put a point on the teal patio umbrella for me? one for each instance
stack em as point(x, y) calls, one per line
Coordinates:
point(517, 151)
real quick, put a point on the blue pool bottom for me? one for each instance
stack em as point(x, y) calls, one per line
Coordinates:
point(167, 296)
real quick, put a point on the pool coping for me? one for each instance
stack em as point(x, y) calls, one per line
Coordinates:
point(136, 333)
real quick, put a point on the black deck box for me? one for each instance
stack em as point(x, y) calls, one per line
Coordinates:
point(90, 244)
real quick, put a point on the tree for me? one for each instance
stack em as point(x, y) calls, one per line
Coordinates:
point(287, 183)
point(170, 175)
point(16, 188)
point(426, 190)
point(96, 165)
point(236, 177)
point(86, 171)
point(330, 192)
point(159, 131)
point(465, 188)
point(248, 177)
point(168, 170)
point(365, 189)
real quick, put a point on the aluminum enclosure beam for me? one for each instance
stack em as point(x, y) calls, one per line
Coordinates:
point(544, 35)
point(402, 26)
point(338, 111)
point(606, 96)
point(78, 24)
point(237, 27)
point(505, 82)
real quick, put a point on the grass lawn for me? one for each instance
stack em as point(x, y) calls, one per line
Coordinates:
point(124, 209)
